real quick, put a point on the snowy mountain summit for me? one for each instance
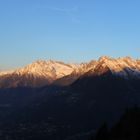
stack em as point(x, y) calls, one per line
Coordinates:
point(125, 67)
point(41, 73)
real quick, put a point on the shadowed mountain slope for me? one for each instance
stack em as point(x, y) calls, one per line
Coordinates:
point(71, 112)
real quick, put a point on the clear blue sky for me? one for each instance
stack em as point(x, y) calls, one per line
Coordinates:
point(67, 30)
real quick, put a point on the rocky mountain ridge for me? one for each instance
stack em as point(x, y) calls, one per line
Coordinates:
point(41, 73)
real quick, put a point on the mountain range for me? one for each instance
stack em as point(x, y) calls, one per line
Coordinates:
point(57, 101)
point(42, 73)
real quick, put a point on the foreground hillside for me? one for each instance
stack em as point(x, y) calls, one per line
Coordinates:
point(127, 128)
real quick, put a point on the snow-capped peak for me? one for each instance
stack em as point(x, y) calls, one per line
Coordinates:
point(125, 67)
point(104, 58)
point(41, 72)
point(51, 69)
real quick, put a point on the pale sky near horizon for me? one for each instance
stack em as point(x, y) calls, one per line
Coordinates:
point(67, 30)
